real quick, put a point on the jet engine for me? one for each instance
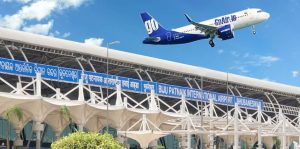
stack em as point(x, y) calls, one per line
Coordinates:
point(225, 32)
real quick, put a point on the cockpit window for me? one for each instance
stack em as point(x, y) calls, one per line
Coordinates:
point(259, 11)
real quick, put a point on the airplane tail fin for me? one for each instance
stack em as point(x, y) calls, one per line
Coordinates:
point(153, 28)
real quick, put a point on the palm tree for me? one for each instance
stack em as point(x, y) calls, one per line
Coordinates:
point(277, 143)
point(9, 114)
point(65, 112)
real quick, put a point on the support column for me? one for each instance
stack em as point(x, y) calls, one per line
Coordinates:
point(120, 138)
point(19, 88)
point(58, 96)
point(144, 123)
point(183, 107)
point(38, 84)
point(38, 127)
point(125, 102)
point(57, 135)
point(93, 98)
point(299, 128)
point(189, 136)
point(119, 101)
point(236, 127)
point(80, 90)
point(211, 115)
point(153, 144)
point(282, 119)
point(185, 138)
point(153, 104)
point(80, 127)
point(259, 115)
point(18, 141)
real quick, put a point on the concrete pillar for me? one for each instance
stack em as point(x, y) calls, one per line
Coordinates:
point(58, 94)
point(153, 144)
point(119, 101)
point(80, 127)
point(299, 128)
point(120, 138)
point(229, 140)
point(250, 140)
point(211, 126)
point(236, 127)
point(269, 142)
point(185, 138)
point(80, 90)
point(18, 141)
point(125, 102)
point(259, 138)
point(153, 104)
point(38, 127)
point(19, 88)
point(205, 140)
point(189, 135)
point(93, 98)
point(57, 135)
point(183, 141)
point(38, 84)
point(283, 137)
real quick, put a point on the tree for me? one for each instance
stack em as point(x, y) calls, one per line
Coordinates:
point(65, 112)
point(9, 114)
point(87, 140)
point(277, 143)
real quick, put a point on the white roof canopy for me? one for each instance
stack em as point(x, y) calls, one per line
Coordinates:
point(50, 42)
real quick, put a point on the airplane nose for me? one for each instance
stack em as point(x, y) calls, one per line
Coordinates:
point(267, 15)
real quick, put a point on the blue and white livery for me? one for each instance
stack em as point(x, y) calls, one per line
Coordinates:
point(222, 27)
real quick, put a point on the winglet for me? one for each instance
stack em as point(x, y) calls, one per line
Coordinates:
point(188, 18)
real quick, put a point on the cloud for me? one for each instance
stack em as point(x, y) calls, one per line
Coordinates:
point(295, 73)
point(241, 69)
point(268, 59)
point(42, 29)
point(58, 34)
point(220, 51)
point(65, 35)
point(234, 53)
point(37, 10)
point(20, 1)
point(94, 41)
point(244, 62)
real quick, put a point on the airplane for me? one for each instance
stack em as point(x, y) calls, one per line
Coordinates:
point(222, 27)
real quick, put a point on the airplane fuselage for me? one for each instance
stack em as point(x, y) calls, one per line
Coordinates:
point(190, 33)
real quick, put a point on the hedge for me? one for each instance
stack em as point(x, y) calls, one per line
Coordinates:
point(90, 140)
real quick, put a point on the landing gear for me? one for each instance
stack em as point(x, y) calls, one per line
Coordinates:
point(211, 43)
point(253, 29)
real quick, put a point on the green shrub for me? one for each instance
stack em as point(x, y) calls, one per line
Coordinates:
point(90, 140)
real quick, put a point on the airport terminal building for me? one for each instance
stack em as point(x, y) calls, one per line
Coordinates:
point(148, 100)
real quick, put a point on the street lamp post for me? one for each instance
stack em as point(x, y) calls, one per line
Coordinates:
point(107, 72)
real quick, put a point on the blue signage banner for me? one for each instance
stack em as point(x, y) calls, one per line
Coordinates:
point(49, 72)
point(29, 69)
point(93, 78)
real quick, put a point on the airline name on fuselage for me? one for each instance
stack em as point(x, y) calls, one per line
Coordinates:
point(225, 19)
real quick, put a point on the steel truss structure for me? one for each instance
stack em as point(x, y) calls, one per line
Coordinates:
point(143, 117)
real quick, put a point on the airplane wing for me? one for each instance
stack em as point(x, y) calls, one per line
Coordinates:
point(207, 29)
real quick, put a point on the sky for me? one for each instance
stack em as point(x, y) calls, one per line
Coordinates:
point(272, 54)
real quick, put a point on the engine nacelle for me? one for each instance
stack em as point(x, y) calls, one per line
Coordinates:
point(225, 32)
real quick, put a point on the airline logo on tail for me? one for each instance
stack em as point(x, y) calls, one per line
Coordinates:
point(151, 25)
